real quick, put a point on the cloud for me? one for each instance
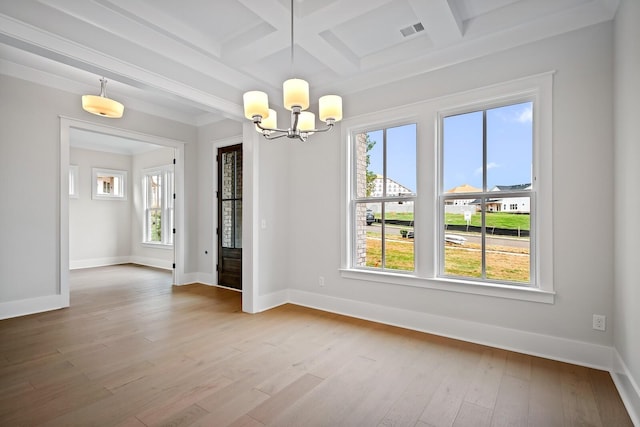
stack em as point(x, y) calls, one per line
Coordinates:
point(526, 115)
point(491, 165)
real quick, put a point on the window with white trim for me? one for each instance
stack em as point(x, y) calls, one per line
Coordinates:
point(385, 183)
point(109, 184)
point(158, 205)
point(486, 166)
point(480, 208)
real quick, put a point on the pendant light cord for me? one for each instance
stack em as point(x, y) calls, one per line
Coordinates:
point(292, 56)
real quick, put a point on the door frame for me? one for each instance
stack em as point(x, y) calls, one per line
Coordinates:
point(217, 144)
point(218, 224)
point(66, 124)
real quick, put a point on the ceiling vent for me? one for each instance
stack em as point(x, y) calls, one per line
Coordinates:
point(412, 29)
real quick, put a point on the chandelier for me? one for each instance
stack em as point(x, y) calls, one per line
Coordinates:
point(101, 105)
point(295, 99)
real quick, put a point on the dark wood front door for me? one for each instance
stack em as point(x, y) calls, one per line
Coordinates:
point(230, 216)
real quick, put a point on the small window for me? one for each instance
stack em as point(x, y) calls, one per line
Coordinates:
point(158, 205)
point(109, 184)
point(73, 182)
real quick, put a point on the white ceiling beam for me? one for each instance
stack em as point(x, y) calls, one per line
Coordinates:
point(329, 55)
point(439, 20)
point(147, 37)
point(338, 13)
point(161, 22)
point(45, 44)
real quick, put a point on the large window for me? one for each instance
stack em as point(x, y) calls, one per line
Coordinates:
point(158, 205)
point(486, 193)
point(383, 208)
point(455, 193)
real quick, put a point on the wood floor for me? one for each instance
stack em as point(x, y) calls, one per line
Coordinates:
point(134, 351)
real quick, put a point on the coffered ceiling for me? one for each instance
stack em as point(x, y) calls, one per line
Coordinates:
point(191, 60)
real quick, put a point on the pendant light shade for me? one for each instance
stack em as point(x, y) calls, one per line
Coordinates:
point(100, 105)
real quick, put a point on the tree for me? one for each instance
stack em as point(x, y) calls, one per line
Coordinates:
point(371, 176)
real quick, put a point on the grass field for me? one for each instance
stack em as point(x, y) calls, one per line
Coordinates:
point(504, 263)
point(494, 219)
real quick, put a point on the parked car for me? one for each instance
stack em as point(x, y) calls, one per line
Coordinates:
point(370, 218)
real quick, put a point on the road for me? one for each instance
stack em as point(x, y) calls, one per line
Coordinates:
point(471, 237)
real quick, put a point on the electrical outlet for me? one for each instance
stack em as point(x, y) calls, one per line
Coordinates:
point(321, 281)
point(599, 322)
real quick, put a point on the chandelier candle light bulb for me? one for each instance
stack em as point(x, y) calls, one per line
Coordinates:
point(256, 103)
point(295, 94)
point(307, 122)
point(330, 107)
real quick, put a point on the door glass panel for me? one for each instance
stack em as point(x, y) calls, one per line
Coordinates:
point(231, 195)
point(238, 174)
point(227, 224)
point(228, 175)
point(238, 224)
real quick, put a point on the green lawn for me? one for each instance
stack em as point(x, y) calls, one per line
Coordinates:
point(503, 263)
point(494, 219)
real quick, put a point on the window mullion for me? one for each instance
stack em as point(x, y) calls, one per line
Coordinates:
point(383, 243)
point(483, 225)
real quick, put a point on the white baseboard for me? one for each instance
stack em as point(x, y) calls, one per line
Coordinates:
point(206, 279)
point(627, 387)
point(152, 262)
point(188, 278)
point(98, 262)
point(556, 348)
point(272, 300)
point(103, 262)
point(28, 306)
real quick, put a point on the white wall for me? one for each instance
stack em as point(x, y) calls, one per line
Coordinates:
point(627, 201)
point(582, 168)
point(222, 133)
point(99, 229)
point(140, 253)
point(29, 171)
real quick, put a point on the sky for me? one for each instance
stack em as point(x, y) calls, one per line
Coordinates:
point(509, 149)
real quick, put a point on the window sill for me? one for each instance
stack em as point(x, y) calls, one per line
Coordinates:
point(453, 285)
point(157, 245)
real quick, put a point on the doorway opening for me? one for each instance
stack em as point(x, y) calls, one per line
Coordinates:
point(149, 241)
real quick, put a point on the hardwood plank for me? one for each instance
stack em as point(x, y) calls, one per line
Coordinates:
point(233, 409)
point(246, 421)
point(545, 394)
point(447, 400)
point(163, 409)
point(131, 422)
point(577, 397)
point(278, 403)
point(512, 403)
point(186, 417)
point(485, 383)
point(518, 365)
point(608, 401)
point(471, 415)
point(132, 350)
